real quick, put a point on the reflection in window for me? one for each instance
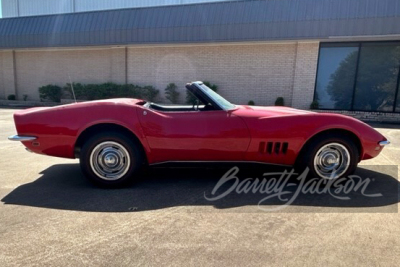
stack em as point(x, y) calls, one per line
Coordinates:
point(359, 76)
point(377, 77)
point(398, 100)
point(336, 74)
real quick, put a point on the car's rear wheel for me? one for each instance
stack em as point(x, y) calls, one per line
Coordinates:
point(329, 157)
point(111, 159)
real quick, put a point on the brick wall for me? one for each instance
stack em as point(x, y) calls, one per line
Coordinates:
point(260, 72)
point(38, 68)
point(118, 65)
point(7, 76)
point(304, 74)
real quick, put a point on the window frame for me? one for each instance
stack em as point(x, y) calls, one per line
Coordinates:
point(359, 45)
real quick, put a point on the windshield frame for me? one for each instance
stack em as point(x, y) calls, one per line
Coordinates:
point(215, 97)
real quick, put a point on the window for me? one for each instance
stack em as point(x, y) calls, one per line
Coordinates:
point(398, 100)
point(359, 76)
point(336, 73)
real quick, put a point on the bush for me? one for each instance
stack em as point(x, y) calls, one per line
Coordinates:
point(314, 105)
point(150, 93)
point(190, 98)
point(50, 92)
point(171, 93)
point(109, 90)
point(211, 86)
point(78, 89)
point(11, 97)
point(130, 90)
point(251, 103)
point(279, 101)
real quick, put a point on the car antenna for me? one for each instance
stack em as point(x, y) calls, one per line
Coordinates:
point(72, 87)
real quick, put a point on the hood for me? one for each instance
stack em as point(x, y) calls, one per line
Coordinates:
point(269, 112)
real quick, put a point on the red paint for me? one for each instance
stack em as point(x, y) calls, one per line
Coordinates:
point(190, 136)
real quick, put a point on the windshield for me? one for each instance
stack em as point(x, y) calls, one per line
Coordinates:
point(222, 102)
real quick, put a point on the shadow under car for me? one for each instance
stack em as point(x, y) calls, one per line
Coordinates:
point(64, 187)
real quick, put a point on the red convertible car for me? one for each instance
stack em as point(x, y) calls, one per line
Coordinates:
point(115, 138)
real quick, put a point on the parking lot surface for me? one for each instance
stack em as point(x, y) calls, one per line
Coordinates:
point(50, 215)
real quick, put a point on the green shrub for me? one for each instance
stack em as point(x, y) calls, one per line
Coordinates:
point(213, 87)
point(11, 97)
point(314, 105)
point(279, 101)
point(131, 90)
point(109, 90)
point(251, 103)
point(171, 93)
point(78, 89)
point(50, 92)
point(190, 98)
point(150, 93)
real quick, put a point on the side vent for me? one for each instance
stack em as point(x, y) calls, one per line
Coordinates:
point(273, 148)
point(269, 147)
point(277, 148)
point(284, 147)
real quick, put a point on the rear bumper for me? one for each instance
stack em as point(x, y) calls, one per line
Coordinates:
point(21, 138)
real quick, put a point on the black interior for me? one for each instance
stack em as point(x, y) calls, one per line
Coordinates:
point(204, 103)
point(180, 108)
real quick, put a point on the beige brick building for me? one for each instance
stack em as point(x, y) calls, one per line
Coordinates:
point(253, 50)
point(260, 72)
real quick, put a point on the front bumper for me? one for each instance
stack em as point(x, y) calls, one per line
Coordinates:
point(384, 143)
point(21, 138)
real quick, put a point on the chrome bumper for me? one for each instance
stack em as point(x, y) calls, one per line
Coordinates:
point(384, 143)
point(21, 138)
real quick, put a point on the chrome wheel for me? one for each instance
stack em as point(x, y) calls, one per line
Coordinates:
point(110, 160)
point(332, 160)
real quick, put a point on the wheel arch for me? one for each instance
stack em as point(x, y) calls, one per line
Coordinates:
point(340, 131)
point(105, 127)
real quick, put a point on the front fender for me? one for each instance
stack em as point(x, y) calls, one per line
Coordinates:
point(296, 130)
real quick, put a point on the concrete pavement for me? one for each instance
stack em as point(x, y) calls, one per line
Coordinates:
point(51, 216)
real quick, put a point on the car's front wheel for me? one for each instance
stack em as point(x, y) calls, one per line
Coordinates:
point(330, 157)
point(110, 159)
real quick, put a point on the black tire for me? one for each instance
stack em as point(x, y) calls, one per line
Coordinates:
point(117, 148)
point(308, 154)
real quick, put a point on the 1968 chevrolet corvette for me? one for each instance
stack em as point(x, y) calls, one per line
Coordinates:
point(115, 138)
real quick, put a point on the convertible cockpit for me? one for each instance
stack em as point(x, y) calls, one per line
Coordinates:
point(176, 108)
point(205, 100)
